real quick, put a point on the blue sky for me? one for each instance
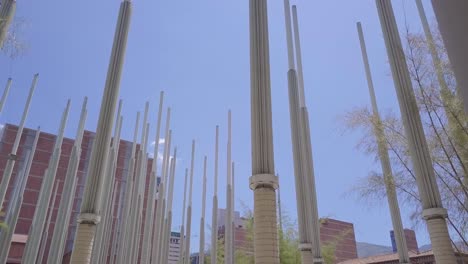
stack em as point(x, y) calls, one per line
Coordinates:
point(198, 53)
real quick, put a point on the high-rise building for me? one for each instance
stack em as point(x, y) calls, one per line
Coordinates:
point(174, 248)
point(340, 236)
point(40, 163)
point(242, 240)
point(411, 240)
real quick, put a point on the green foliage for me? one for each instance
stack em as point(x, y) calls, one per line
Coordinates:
point(3, 225)
point(446, 131)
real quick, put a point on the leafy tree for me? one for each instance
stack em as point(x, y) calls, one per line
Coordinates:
point(446, 131)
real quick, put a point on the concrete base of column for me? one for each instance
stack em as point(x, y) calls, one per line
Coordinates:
point(307, 256)
point(440, 240)
point(266, 230)
point(84, 240)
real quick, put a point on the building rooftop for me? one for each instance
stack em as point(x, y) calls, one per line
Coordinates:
point(393, 258)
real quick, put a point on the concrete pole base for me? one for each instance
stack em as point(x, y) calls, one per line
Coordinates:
point(266, 230)
point(84, 240)
point(441, 243)
point(83, 248)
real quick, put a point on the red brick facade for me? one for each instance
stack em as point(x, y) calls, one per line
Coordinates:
point(40, 164)
point(340, 235)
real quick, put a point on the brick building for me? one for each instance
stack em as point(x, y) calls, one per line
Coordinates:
point(415, 258)
point(242, 242)
point(340, 235)
point(411, 241)
point(39, 165)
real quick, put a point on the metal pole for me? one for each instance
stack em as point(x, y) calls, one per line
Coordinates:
point(91, 205)
point(12, 156)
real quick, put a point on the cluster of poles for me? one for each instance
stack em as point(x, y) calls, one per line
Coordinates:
point(95, 242)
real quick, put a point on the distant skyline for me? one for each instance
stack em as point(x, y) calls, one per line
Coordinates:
point(198, 53)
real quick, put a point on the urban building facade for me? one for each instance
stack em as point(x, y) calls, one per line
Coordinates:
point(174, 248)
point(411, 240)
point(340, 235)
point(33, 185)
point(415, 258)
point(243, 241)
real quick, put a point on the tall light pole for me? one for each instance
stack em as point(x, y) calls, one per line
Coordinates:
point(263, 182)
point(90, 213)
point(214, 213)
point(7, 12)
point(390, 188)
point(12, 156)
point(433, 211)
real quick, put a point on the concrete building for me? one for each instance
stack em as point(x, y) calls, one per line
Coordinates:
point(411, 240)
point(174, 248)
point(39, 165)
point(339, 234)
point(416, 258)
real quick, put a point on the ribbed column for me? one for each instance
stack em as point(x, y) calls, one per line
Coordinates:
point(5, 94)
point(170, 196)
point(122, 253)
point(46, 229)
point(36, 230)
point(202, 219)
point(91, 208)
point(182, 227)
point(12, 156)
point(228, 232)
point(12, 218)
point(7, 12)
point(452, 19)
point(385, 160)
point(433, 211)
point(147, 235)
point(6, 234)
point(233, 224)
point(59, 235)
point(161, 205)
point(263, 181)
point(214, 213)
point(189, 207)
point(106, 225)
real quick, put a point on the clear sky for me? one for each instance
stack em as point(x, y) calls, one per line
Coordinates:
point(198, 53)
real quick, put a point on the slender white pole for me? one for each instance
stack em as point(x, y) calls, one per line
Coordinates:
point(91, 204)
point(189, 208)
point(12, 157)
point(13, 211)
point(182, 227)
point(59, 235)
point(46, 229)
point(37, 227)
point(7, 12)
point(169, 207)
point(160, 208)
point(214, 213)
point(147, 235)
point(202, 219)
point(123, 253)
point(5, 93)
point(228, 221)
point(300, 74)
point(233, 224)
point(433, 211)
point(385, 160)
point(166, 165)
